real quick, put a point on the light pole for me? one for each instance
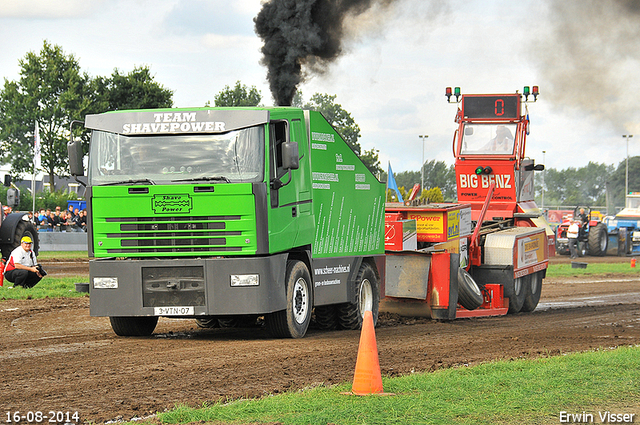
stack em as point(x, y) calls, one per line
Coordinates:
point(626, 177)
point(543, 173)
point(423, 137)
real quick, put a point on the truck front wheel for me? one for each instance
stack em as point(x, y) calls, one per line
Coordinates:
point(294, 321)
point(350, 315)
point(134, 326)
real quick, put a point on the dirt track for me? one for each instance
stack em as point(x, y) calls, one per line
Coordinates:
point(55, 357)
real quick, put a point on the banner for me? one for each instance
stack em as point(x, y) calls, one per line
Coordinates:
point(391, 183)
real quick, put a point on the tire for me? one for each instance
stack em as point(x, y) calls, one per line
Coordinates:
point(134, 326)
point(294, 321)
point(469, 294)
point(350, 315)
point(598, 240)
point(326, 317)
point(516, 290)
point(533, 290)
point(23, 228)
point(207, 322)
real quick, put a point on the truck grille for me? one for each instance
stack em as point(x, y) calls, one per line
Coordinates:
point(173, 286)
point(176, 234)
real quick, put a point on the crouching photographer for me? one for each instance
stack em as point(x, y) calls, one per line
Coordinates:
point(22, 268)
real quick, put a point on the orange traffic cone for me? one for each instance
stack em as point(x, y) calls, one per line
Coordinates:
point(367, 379)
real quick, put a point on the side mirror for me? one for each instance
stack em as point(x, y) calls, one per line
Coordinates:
point(13, 198)
point(290, 159)
point(74, 149)
point(7, 180)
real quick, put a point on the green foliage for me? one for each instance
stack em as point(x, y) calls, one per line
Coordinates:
point(344, 124)
point(53, 91)
point(432, 195)
point(372, 161)
point(340, 119)
point(239, 95)
point(135, 90)
point(503, 392)
point(588, 185)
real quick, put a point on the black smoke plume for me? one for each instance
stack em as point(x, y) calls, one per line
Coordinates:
point(590, 58)
point(302, 33)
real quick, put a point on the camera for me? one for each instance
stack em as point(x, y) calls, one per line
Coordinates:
point(41, 270)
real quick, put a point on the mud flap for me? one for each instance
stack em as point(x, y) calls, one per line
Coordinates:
point(444, 292)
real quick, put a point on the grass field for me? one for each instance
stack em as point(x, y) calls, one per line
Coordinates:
point(51, 287)
point(504, 392)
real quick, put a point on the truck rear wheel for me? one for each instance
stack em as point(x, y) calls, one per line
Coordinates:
point(294, 321)
point(533, 290)
point(207, 322)
point(350, 315)
point(326, 317)
point(598, 240)
point(134, 326)
point(469, 294)
point(516, 290)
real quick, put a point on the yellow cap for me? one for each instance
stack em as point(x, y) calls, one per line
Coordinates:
point(26, 239)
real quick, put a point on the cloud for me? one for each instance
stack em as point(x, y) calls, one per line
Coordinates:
point(222, 17)
point(47, 9)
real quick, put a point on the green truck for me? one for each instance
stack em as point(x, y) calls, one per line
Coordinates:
point(229, 214)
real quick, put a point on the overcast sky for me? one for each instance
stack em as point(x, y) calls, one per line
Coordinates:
point(396, 62)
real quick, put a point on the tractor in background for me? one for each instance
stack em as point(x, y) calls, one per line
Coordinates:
point(592, 239)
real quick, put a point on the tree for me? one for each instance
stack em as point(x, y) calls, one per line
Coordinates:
point(52, 91)
point(135, 90)
point(240, 95)
point(340, 119)
point(344, 124)
point(576, 186)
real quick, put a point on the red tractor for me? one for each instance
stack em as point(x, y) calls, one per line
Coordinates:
point(592, 238)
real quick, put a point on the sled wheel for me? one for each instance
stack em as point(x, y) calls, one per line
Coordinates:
point(469, 294)
point(533, 289)
point(516, 290)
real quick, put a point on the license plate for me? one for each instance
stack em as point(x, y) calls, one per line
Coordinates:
point(173, 311)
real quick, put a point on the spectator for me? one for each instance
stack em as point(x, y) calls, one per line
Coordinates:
point(572, 235)
point(83, 220)
point(41, 216)
point(22, 268)
point(54, 221)
point(44, 222)
point(70, 210)
point(77, 221)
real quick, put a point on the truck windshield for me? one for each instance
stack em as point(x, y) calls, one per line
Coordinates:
point(488, 139)
point(236, 156)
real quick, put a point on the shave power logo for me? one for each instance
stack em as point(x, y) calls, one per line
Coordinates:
point(171, 204)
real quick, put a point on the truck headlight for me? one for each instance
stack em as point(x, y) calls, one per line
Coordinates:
point(245, 280)
point(105, 282)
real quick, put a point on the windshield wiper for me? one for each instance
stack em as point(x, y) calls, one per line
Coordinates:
point(206, 179)
point(132, 181)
